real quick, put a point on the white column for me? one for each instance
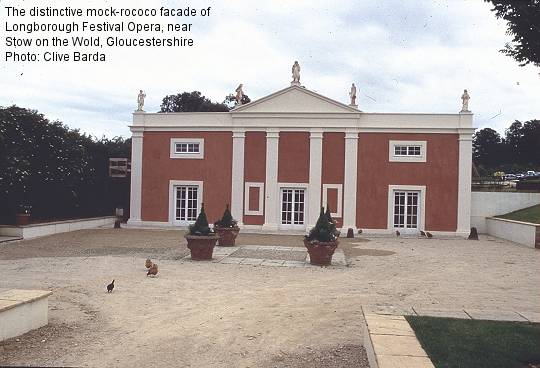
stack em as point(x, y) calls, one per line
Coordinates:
point(136, 175)
point(464, 184)
point(237, 191)
point(350, 181)
point(271, 200)
point(315, 176)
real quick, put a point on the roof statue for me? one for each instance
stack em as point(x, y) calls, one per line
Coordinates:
point(352, 94)
point(295, 74)
point(239, 94)
point(140, 100)
point(465, 99)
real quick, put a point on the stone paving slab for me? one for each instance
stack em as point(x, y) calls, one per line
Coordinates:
point(441, 313)
point(495, 315)
point(251, 261)
point(391, 361)
point(389, 310)
point(231, 260)
point(397, 345)
point(531, 316)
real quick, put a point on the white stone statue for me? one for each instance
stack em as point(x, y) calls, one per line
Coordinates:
point(465, 98)
point(239, 94)
point(352, 93)
point(140, 100)
point(296, 74)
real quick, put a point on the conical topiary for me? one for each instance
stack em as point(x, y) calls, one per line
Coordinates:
point(226, 220)
point(332, 222)
point(324, 230)
point(200, 227)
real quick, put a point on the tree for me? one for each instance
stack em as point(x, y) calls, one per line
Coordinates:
point(523, 20)
point(487, 147)
point(190, 102)
point(529, 146)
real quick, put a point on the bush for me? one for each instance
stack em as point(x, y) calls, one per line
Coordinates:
point(226, 220)
point(325, 228)
point(200, 227)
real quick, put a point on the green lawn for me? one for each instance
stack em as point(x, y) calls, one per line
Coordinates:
point(529, 214)
point(462, 343)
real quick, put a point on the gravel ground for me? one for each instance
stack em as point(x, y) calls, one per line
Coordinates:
point(197, 314)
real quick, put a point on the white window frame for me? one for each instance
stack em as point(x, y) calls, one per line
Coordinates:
point(421, 208)
point(247, 186)
point(303, 186)
point(339, 188)
point(172, 199)
point(187, 155)
point(392, 157)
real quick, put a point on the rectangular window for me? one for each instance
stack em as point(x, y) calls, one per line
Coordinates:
point(292, 206)
point(186, 203)
point(187, 148)
point(407, 151)
point(406, 209)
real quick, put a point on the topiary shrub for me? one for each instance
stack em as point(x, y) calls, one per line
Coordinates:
point(226, 220)
point(325, 229)
point(200, 227)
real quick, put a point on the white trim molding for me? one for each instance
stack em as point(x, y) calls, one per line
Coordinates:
point(187, 155)
point(392, 157)
point(172, 199)
point(422, 207)
point(260, 211)
point(339, 188)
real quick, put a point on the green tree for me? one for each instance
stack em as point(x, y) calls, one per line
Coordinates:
point(230, 101)
point(190, 102)
point(529, 147)
point(488, 147)
point(523, 20)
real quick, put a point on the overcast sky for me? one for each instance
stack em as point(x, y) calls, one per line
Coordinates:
point(404, 56)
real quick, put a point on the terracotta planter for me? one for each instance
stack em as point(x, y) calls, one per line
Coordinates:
point(227, 235)
point(201, 247)
point(320, 253)
point(22, 219)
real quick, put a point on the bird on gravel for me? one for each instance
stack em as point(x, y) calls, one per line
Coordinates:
point(422, 233)
point(153, 270)
point(398, 233)
point(110, 287)
point(148, 263)
point(429, 235)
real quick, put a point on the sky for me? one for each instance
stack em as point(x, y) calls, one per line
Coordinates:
point(404, 56)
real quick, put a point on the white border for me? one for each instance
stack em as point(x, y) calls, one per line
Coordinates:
point(172, 199)
point(422, 215)
point(394, 158)
point(304, 186)
point(339, 188)
point(199, 155)
point(247, 186)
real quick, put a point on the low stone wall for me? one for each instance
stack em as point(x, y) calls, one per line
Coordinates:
point(49, 228)
point(22, 311)
point(525, 233)
point(487, 204)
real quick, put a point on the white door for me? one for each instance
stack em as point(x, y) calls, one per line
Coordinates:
point(406, 210)
point(186, 204)
point(293, 203)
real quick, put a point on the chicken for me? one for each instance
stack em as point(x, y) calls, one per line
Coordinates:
point(153, 270)
point(429, 235)
point(398, 233)
point(110, 287)
point(148, 263)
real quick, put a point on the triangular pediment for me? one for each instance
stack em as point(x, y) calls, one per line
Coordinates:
point(295, 99)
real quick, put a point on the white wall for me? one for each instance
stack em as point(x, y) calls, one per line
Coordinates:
point(23, 318)
point(516, 231)
point(486, 204)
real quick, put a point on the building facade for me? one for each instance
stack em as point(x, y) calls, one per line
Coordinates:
point(277, 160)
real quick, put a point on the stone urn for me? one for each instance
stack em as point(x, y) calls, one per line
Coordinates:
point(201, 246)
point(22, 219)
point(227, 235)
point(320, 253)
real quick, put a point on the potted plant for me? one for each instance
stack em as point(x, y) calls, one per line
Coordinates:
point(22, 217)
point(227, 229)
point(322, 240)
point(201, 239)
